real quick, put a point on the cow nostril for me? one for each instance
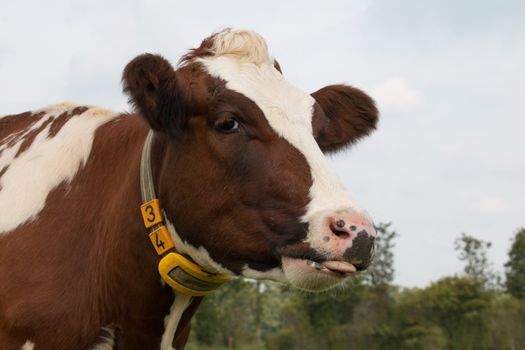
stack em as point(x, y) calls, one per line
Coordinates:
point(335, 228)
point(342, 234)
point(340, 223)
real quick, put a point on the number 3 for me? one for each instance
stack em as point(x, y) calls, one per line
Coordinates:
point(151, 212)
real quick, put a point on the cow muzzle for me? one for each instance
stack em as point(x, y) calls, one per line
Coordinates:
point(349, 237)
point(338, 245)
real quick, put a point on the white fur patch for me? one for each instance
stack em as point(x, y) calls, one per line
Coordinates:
point(200, 255)
point(172, 320)
point(28, 345)
point(276, 274)
point(289, 112)
point(108, 341)
point(48, 162)
point(244, 45)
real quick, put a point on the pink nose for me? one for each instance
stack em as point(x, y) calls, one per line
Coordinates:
point(352, 236)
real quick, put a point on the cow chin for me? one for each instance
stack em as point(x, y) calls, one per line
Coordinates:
point(301, 274)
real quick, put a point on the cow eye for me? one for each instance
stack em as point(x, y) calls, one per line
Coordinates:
point(227, 125)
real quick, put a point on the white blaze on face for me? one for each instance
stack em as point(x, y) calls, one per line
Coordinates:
point(47, 162)
point(289, 112)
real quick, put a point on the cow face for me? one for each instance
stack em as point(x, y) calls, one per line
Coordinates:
point(240, 168)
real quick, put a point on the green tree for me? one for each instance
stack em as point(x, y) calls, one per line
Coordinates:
point(380, 274)
point(206, 326)
point(317, 320)
point(409, 337)
point(460, 306)
point(275, 296)
point(474, 253)
point(515, 267)
point(507, 323)
point(379, 278)
point(452, 313)
point(410, 325)
point(227, 315)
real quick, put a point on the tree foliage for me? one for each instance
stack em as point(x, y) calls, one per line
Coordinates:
point(515, 266)
point(381, 273)
point(474, 253)
point(227, 315)
point(368, 313)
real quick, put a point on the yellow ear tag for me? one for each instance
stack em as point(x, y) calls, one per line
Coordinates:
point(161, 240)
point(151, 213)
point(186, 277)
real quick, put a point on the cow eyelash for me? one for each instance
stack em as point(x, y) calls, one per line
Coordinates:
point(227, 125)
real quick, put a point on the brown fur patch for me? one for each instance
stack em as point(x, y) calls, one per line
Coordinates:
point(8, 126)
point(204, 50)
point(255, 174)
point(13, 125)
point(62, 119)
point(2, 172)
point(152, 85)
point(277, 66)
point(29, 138)
point(350, 115)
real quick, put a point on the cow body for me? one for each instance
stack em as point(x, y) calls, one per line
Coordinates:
point(237, 165)
point(77, 263)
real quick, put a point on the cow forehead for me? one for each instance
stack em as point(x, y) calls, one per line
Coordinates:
point(283, 104)
point(289, 112)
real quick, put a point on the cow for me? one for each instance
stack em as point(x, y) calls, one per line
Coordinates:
point(114, 226)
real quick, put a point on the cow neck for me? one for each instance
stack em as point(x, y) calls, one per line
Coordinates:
point(179, 271)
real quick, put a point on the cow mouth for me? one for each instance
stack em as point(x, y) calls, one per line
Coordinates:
point(335, 268)
point(309, 260)
point(341, 267)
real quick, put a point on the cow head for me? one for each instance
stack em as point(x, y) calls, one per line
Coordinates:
point(240, 166)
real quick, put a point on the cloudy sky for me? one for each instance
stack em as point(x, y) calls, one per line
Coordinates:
point(448, 76)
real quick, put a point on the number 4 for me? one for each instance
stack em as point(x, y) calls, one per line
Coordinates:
point(159, 242)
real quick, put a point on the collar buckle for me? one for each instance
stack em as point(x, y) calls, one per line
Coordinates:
point(186, 277)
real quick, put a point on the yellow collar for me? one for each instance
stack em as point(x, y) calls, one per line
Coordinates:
point(177, 270)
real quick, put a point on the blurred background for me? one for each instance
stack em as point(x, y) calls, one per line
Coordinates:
point(443, 176)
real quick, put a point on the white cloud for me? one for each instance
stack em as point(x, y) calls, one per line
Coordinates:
point(395, 95)
point(491, 205)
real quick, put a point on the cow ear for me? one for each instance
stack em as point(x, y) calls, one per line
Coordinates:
point(347, 114)
point(150, 81)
